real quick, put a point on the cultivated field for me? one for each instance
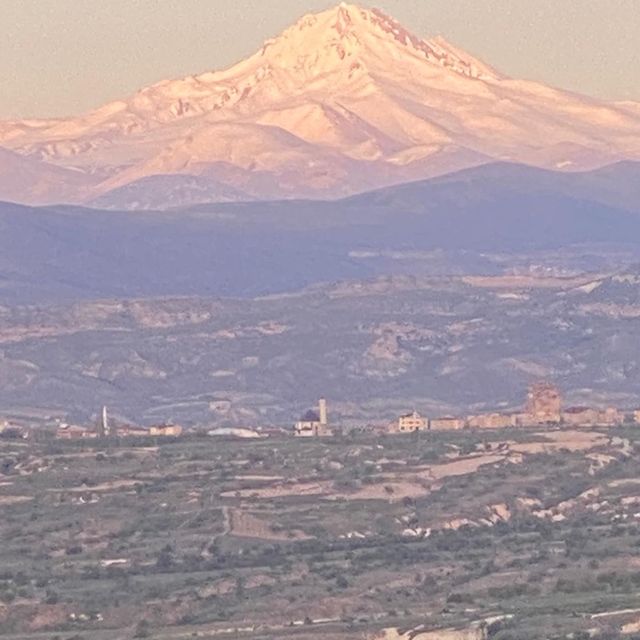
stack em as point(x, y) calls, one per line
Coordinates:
point(501, 534)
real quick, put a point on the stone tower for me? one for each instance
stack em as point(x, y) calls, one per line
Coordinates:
point(322, 406)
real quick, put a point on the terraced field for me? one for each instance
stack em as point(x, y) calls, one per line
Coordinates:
point(501, 534)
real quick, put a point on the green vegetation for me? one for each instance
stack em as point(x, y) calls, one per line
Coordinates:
point(318, 538)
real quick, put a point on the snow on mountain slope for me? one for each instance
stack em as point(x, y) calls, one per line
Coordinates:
point(631, 107)
point(342, 101)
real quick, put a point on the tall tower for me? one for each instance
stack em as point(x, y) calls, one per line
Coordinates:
point(544, 402)
point(105, 422)
point(322, 406)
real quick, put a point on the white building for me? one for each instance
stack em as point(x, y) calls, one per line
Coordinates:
point(314, 424)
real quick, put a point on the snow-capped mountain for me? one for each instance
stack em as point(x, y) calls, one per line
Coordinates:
point(343, 101)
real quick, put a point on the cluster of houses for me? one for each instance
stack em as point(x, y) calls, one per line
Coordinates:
point(78, 432)
point(543, 407)
point(107, 429)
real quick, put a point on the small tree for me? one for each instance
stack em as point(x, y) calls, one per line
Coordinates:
point(143, 629)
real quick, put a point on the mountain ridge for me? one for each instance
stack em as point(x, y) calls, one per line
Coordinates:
point(245, 249)
point(341, 102)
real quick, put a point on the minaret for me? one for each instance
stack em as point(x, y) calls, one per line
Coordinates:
point(322, 405)
point(105, 422)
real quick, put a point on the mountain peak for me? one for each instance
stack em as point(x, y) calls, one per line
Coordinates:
point(342, 101)
point(347, 31)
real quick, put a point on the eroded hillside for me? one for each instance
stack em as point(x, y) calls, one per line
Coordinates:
point(375, 348)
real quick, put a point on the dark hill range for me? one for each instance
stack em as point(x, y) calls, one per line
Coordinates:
point(248, 249)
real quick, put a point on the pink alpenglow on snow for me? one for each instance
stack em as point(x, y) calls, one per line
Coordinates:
point(343, 101)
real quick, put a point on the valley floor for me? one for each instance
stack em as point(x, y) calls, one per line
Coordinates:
point(493, 534)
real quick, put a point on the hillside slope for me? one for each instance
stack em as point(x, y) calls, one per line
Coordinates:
point(461, 223)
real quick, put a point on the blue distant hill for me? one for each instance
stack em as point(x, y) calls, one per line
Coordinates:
point(256, 248)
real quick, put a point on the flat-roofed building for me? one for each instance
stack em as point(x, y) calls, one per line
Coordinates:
point(581, 416)
point(409, 423)
point(74, 432)
point(589, 417)
point(165, 430)
point(492, 421)
point(611, 417)
point(130, 431)
point(447, 423)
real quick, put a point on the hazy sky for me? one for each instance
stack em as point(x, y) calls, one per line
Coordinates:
point(59, 57)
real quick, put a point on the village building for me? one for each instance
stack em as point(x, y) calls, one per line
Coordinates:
point(589, 417)
point(447, 423)
point(165, 430)
point(129, 431)
point(492, 421)
point(581, 416)
point(544, 403)
point(314, 424)
point(74, 432)
point(523, 419)
point(409, 423)
point(241, 432)
point(611, 417)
